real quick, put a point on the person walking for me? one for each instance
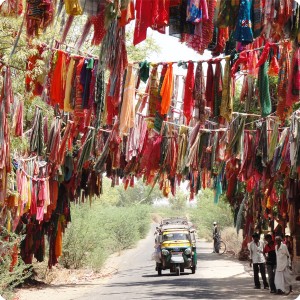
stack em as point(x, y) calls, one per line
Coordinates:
point(257, 259)
point(270, 255)
point(283, 275)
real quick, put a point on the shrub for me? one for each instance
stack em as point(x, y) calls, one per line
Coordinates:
point(81, 238)
point(142, 215)
point(123, 228)
point(12, 273)
point(207, 212)
point(232, 240)
point(161, 212)
point(11, 279)
point(98, 231)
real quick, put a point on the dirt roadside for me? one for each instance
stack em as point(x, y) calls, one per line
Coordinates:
point(66, 284)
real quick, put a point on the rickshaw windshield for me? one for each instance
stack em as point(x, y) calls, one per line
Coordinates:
point(175, 236)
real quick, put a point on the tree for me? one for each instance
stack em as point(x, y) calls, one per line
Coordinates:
point(141, 51)
point(138, 194)
point(178, 202)
point(207, 212)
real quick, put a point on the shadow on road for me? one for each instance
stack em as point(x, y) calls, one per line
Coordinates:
point(166, 274)
point(188, 286)
point(225, 288)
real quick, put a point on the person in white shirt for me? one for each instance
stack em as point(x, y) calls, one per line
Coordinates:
point(257, 259)
point(283, 275)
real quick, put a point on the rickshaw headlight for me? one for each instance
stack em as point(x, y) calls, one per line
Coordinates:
point(165, 252)
point(188, 251)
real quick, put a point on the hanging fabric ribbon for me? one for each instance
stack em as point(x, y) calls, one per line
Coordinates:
point(294, 82)
point(86, 150)
point(226, 107)
point(167, 90)
point(188, 100)
point(283, 81)
point(127, 114)
point(199, 92)
point(209, 92)
point(217, 87)
point(243, 31)
point(36, 137)
point(264, 91)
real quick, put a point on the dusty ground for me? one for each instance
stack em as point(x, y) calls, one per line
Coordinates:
point(60, 283)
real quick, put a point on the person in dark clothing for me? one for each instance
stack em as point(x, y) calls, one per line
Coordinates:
point(270, 254)
point(216, 235)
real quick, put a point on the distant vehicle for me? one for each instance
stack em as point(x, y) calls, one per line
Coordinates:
point(175, 246)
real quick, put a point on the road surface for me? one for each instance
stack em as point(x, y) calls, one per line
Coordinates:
point(217, 277)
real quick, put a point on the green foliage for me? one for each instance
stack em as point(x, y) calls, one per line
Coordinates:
point(118, 196)
point(30, 106)
point(8, 32)
point(161, 212)
point(296, 106)
point(239, 105)
point(19, 144)
point(207, 212)
point(110, 194)
point(11, 280)
point(142, 217)
point(98, 231)
point(178, 203)
point(123, 228)
point(10, 277)
point(141, 51)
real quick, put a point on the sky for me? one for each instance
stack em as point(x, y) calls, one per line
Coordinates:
point(172, 49)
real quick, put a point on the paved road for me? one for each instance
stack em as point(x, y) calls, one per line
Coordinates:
point(217, 277)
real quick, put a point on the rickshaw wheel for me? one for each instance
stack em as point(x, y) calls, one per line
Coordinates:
point(177, 271)
point(193, 268)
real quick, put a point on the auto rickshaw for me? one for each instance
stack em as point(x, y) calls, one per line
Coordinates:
point(175, 246)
